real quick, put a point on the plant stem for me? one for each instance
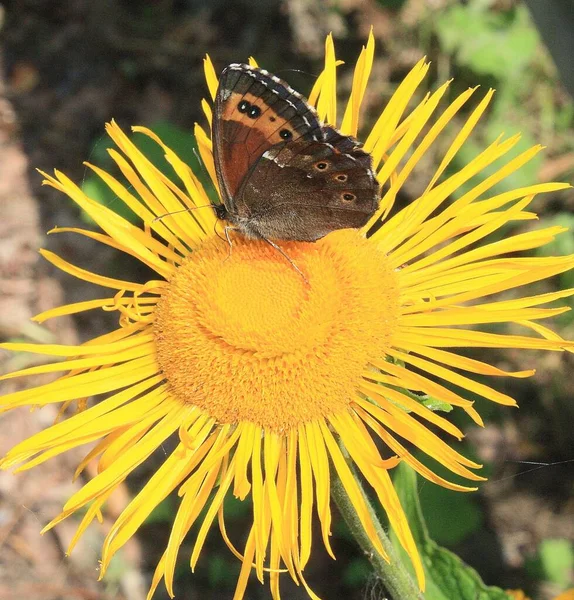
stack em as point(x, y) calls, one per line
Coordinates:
point(393, 575)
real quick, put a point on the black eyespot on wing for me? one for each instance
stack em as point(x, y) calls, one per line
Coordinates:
point(321, 165)
point(341, 177)
point(243, 106)
point(286, 134)
point(254, 111)
point(347, 197)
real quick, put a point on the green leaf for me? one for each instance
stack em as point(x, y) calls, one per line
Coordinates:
point(164, 512)
point(447, 576)
point(464, 516)
point(479, 37)
point(435, 404)
point(554, 562)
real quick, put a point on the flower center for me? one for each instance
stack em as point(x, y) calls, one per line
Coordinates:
point(241, 334)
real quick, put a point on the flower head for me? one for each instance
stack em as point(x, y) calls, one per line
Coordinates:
point(275, 382)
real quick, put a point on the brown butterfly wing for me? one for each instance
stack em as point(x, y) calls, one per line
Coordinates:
point(254, 111)
point(303, 190)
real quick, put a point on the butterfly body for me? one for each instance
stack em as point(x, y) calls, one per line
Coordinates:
point(283, 174)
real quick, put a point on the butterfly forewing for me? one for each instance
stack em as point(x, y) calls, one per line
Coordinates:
point(254, 111)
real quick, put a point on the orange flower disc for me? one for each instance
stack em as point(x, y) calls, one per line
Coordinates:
point(240, 332)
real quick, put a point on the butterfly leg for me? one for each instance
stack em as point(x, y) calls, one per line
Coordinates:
point(291, 261)
point(226, 232)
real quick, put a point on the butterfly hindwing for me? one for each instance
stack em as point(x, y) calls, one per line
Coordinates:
point(306, 189)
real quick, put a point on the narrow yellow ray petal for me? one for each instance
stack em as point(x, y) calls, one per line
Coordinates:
point(350, 123)
point(248, 554)
point(317, 88)
point(526, 302)
point(387, 123)
point(544, 332)
point(64, 429)
point(462, 362)
point(224, 485)
point(83, 385)
point(94, 510)
point(470, 258)
point(157, 577)
point(258, 497)
point(411, 218)
point(76, 307)
point(380, 481)
point(351, 487)
point(320, 467)
point(83, 350)
point(306, 530)
point(384, 394)
point(402, 424)
point(274, 562)
point(271, 454)
point(127, 235)
point(394, 445)
point(327, 102)
point(421, 115)
point(253, 62)
point(65, 266)
point(388, 199)
point(86, 363)
point(243, 457)
point(474, 315)
point(210, 76)
point(158, 188)
point(477, 213)
point(141, 450)
point(455, 378)
point(206, 107)
point(460, 338)
point(461, 137)
point(418, 244)
point(154, 245)
point(291, 497)
point(352, 432)
point(189, 509)
point(205, 148)
point(559, 264)
point(85, 435)
point(197, 195)
point(148, 208)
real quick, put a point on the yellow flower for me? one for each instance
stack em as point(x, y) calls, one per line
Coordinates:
point(517, 595)
point(269, 379)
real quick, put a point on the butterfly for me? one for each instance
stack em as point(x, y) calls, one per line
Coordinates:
point(282, 173)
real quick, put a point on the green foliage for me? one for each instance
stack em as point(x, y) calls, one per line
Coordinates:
point(554, 562)
point(502, 48)
point(496, 43)
point(164, 512)
point(356, 572)
point(392, 4)
point(451, 516)
point(447, 576)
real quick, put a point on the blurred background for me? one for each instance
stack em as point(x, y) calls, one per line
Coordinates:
point(70, 66)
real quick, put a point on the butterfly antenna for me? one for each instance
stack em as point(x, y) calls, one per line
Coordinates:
point(298, 71)
point(188, 209)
